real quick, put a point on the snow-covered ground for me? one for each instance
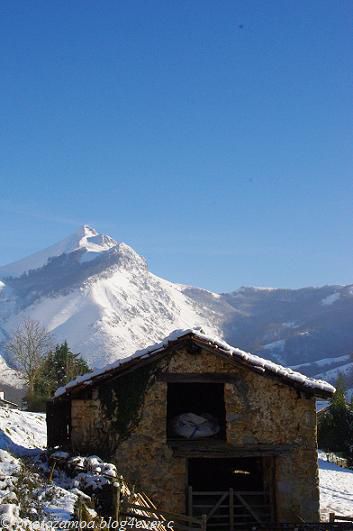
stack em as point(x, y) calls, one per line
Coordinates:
point(25, 494)
point(22, 431)
point(336, 488)
point(23, 435)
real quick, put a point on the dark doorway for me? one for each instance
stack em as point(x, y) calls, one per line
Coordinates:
point(58, 423)
point(234, 493)
point(198, 398)
point(243, 474)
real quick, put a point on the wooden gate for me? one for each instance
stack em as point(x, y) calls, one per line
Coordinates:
point(231, 510)
point(59, 423)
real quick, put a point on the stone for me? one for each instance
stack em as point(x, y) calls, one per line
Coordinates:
point(259, 411)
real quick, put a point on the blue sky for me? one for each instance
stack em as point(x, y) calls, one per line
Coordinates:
point(214, 137)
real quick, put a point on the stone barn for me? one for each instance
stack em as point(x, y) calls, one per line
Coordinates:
point(201, 427)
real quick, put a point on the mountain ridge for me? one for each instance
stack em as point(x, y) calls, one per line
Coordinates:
point(84, 238)
point(100, 295)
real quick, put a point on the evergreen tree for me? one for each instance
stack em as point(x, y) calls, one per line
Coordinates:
point(57, 369)
point(62, 365)
point(335, 427)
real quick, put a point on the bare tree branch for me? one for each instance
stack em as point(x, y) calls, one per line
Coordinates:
point(28, 346)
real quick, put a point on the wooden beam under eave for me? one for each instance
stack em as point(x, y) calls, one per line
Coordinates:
point(197, 377)
point(197, 449)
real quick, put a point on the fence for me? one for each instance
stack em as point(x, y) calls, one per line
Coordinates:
point(333, 517)
point(231, 509)
point(166, 520)
point(208, 511)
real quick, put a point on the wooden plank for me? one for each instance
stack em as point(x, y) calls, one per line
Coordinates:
point(342, 518)
point(218, 517)
point(231, 510)
point(253, 514)
point(221, 499)
point(141, 499)
point(190, 506)
point(148, 500)
point(143, 517)
point(177, 525)
point(220, 449)
point(241, 492)
point(163, 513)
point(208, 493)
point(209, 506)
point(116, 500)
point(189, 377)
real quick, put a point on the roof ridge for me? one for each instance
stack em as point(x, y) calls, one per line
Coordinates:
point(317, 387)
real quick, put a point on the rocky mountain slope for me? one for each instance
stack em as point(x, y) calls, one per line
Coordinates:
point(99, 295)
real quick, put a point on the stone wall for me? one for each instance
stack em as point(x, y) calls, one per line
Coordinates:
point(259, 410)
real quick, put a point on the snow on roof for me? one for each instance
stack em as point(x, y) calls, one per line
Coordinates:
point(262, 365)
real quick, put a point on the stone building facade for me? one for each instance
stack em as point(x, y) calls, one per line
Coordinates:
point(266, 439)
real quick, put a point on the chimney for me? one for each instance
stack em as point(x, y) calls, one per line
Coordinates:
point(2, 395)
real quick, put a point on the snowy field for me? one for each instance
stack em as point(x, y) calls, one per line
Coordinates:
point(21, 431)
point(23, 435)
point(336, 488)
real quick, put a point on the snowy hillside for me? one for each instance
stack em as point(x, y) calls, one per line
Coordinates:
point(299, 326)
point(22, 431)
point(309, 328)
point(99, 294)
point(26, 496)
point(101, 297)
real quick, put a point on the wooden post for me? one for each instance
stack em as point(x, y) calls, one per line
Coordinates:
point(204, 522)
point(190, 505)
point(332, 517)
point(116, 501)
point(51, 475)
point(80, 510)
point(231, 510)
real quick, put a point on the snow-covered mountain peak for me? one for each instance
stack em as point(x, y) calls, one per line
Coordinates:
point(86, 230)
point(85, 238)
point(91, 240)
point(99, 295)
